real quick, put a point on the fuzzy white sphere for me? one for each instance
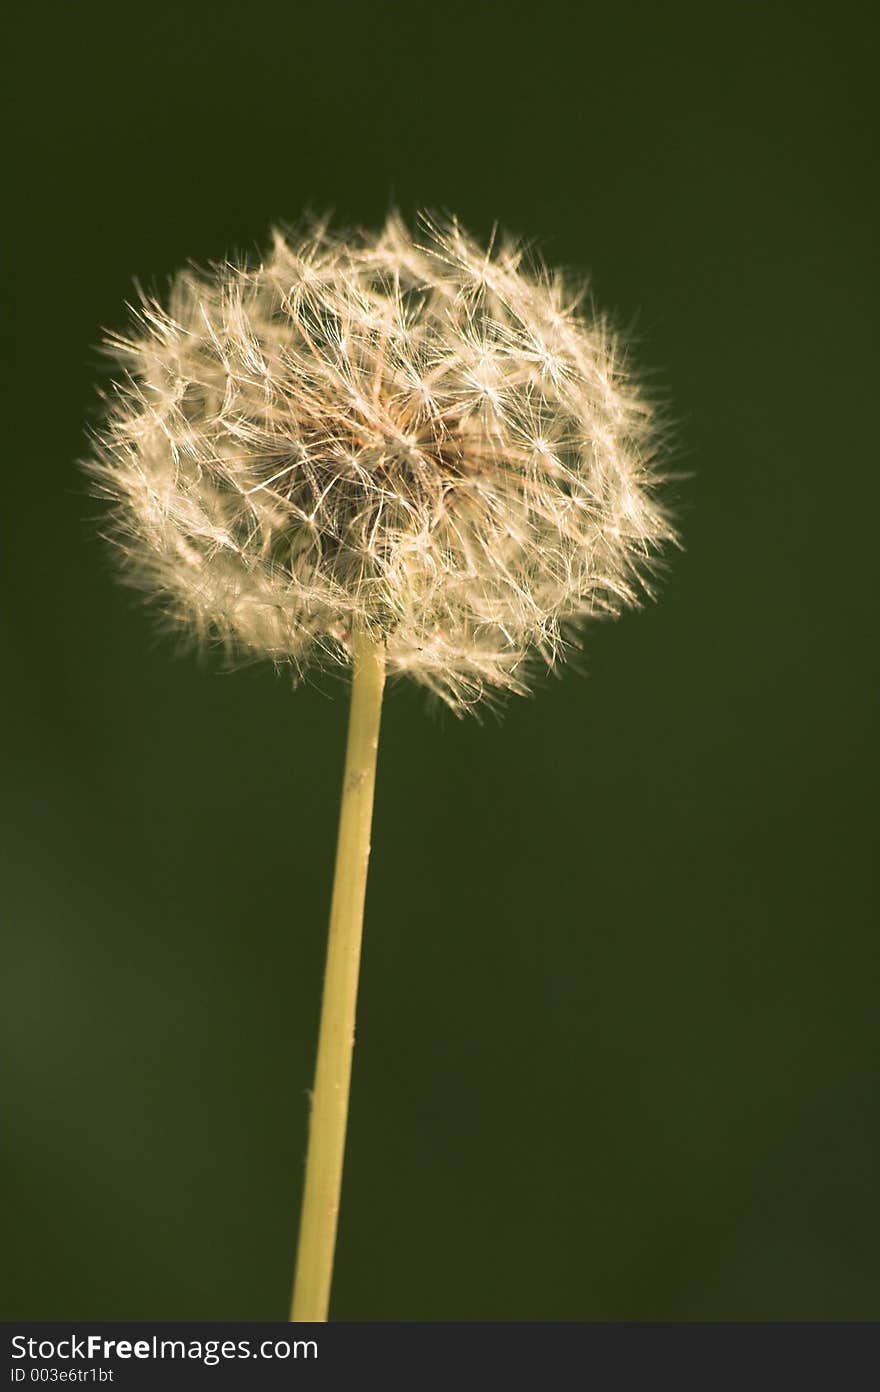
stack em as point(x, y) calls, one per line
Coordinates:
point(405, 434)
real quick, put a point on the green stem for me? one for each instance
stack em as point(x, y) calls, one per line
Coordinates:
point(320, 1207)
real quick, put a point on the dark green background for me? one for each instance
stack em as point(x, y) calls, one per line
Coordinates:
point(617, 1047)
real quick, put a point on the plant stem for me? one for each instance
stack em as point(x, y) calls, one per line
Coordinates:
point(320, 1207)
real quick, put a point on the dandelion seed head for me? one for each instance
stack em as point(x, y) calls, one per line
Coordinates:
point(407, 434)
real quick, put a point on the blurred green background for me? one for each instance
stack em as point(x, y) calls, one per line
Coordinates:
point(618, 1043)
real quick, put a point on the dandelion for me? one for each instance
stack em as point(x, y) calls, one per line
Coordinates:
point(405, 453)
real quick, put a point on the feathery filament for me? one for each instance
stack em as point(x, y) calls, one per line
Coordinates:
point(421, 439)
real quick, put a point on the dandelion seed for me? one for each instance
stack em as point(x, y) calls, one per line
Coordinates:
point(407, 435)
